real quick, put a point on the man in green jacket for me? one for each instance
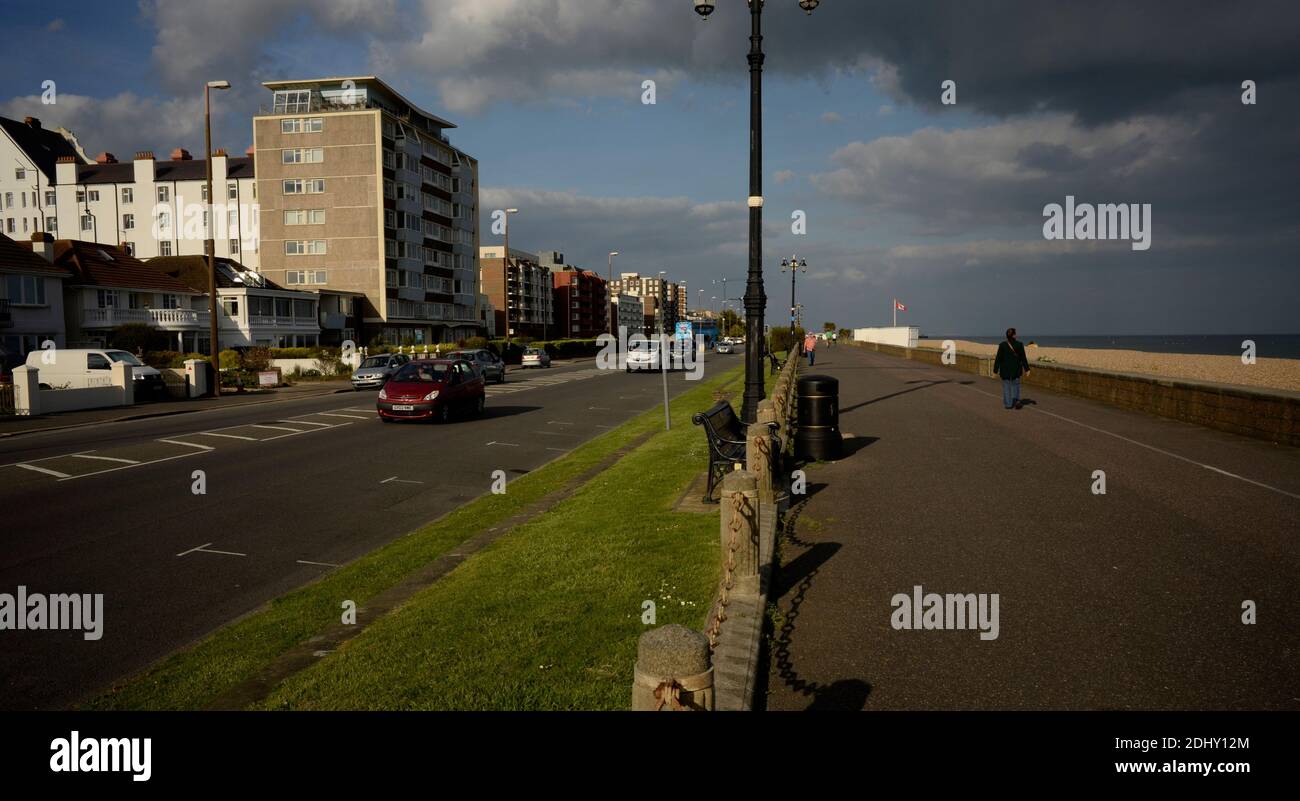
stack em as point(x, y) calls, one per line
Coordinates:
point(1009, 364)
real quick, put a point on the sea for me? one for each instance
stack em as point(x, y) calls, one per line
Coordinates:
point(1271, 346)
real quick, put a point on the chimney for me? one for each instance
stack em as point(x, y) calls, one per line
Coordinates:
point(43, 245)
point(250, 151)
point(181, 154)
point(106, 158)
point(140, 155)
point(221, 151)
point(32, 122)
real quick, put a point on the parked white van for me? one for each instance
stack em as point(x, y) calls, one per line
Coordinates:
point(74, 368)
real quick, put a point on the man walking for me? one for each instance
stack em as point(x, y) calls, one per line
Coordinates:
point(1010, 363)
point(810, 347)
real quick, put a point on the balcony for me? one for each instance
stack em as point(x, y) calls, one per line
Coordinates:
point(279, 323)
point(166, 319)
point(333, 320)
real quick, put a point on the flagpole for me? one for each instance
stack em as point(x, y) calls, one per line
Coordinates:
point(895, 312)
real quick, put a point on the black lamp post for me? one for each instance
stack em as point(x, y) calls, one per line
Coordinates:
point(755, 298)
point(794, 264)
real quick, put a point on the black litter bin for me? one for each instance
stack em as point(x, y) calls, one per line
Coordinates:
point(817, 435)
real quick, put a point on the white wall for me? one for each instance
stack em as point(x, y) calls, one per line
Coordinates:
point(901, 336)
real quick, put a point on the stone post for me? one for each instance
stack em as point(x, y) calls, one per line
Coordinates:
point(758, 458)
point(27, 391)
point(123, 379)
point(739, 529)
point(673, 671)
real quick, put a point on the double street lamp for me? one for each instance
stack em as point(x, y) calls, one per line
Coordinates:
point(755, 298)
point(210, 243)
point(609, 289)
point(795, 265)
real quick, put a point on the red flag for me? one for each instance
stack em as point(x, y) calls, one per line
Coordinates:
point(899, 306)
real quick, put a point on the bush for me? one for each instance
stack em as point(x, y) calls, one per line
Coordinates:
point(161, 359)
point(257, 359)
point(782, 338)
point(229, 359)
point(138, 338)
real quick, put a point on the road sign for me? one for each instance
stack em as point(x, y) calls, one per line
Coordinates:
point(684, 332)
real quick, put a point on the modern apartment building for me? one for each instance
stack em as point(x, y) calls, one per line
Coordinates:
point(628, 312)
point(580, 308)
point(159, 208)
point(658, 296)
point(530, 304)
point(361, 191)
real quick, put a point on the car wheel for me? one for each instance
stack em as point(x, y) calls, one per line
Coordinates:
point(501, 379)
point(444, 413)
point(385, 419)
point(480, 405)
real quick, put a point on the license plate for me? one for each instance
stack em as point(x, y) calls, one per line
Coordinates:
point(403, 408)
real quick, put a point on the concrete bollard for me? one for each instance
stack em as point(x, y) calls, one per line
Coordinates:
point(673, 671)
point(758, 458)
point(738, 530)
point(27, 391)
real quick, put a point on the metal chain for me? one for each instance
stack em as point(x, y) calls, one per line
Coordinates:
point(739, 506)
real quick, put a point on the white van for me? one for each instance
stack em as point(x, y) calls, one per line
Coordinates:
point(75, 368)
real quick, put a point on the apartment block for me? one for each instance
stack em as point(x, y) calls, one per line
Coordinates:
point(527, 281)
point(28, 155)
point(659, 298)
point(361, 191)
point(581, 311)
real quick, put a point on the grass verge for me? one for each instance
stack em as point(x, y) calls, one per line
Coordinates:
point(193, 677)
point(548, 616)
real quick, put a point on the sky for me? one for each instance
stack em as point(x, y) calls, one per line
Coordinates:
point(941, 205)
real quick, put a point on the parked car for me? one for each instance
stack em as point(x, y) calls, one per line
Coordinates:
point(536, 357)
point(375, 371)
point(643, 355)
point(432, 389)
point(80, 368)
point(488, 364)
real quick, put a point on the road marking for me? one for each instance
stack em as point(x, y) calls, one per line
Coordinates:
point(561, 450)
point(400, 481)
point(306, 423)
point(349, 416)
point(276, 428)
point(1170, 454)
point(318, 564)
point(598, 408)
point(132, 466)
point(227, 436)
point(551, 433)
point(204, 549)
point(54, 473)
point(189, 444)
point(507, 444)
point(105, 458)
point(557, 423)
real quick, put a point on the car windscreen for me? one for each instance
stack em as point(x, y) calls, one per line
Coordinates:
point(123, 356)
point(375, 361)
point(426, 373)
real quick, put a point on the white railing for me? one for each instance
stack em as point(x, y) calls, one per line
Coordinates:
point(161, 318)
point(283, 322)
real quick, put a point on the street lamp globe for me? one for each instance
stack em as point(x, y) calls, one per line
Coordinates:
point(809, 5)
point(703, 8)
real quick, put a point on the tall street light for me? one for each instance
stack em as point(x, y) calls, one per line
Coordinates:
point(755, 298)
point(210, 244)
point(505, 275)
point(795, 266)
point(609, 289)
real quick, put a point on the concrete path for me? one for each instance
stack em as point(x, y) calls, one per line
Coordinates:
point(1128, 600)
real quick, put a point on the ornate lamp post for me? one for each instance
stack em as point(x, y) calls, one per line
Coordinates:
point(210, 244)
point(755, 298)
point(795, 266)
point(609, 290)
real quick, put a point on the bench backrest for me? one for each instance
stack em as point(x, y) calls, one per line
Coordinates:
point(721, 421)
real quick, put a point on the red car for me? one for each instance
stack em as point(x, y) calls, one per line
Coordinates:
point(431, 389)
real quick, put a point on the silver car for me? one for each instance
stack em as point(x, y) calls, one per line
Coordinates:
point(487, 363)
point(375, 371)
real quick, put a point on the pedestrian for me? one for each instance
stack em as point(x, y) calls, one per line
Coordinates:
point(810, 347)
point(1010, 363)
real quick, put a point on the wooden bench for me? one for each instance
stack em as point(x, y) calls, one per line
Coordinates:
point(726, 436)
point(776, 363)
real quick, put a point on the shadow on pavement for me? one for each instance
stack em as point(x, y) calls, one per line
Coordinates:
point(922, 385)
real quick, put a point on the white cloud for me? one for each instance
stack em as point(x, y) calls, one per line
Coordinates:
point(832, 117)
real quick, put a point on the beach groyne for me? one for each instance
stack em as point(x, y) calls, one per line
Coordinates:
point(1272, 415)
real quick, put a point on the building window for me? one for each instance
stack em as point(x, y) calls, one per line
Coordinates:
point(304, 216)
point(308, 247)
point(87, 222)
point(20, 173)
point(230, 307)
point(81, 197)
point(309, 125)
point(165, 247)
point(234, 247)
point(302, 155)
point(106, 298)
point(128, 194)
point(94, 195)
point(25, 290)
point(128, 221)
point(129, 247)
point(51, 199)
point(304, 186)
point(164, 194)
point(52, 225)
point(232, 191)
point(291, 101)
point(171, 301)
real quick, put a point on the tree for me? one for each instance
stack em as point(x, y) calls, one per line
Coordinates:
point(829, 328)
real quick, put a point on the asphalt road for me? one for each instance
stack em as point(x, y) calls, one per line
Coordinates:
point(1128, 600)
point(293, 488)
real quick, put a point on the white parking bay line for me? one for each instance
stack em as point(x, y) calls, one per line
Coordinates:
point(105, 458)
point(46, 471)
point(204, 549)
point(318, 564)
point(277, 428)
point(349, 416)
point(305, 423)
point(227, 436)
point(507, 444)
point(187, 444)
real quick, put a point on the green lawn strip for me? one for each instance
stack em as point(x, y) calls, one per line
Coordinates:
point(548, 616)
point(195, 676)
